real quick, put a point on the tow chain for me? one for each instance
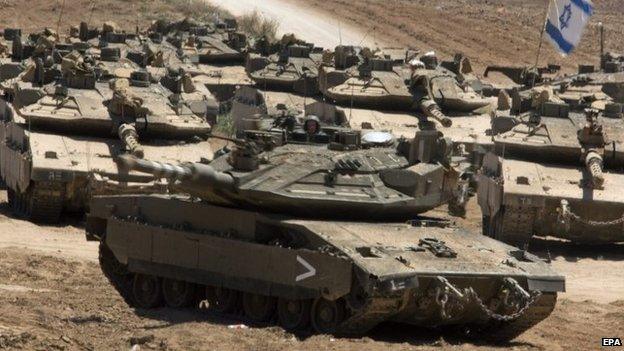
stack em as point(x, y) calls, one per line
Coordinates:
point(508, 317)
point(565, 214)
point(445, 291)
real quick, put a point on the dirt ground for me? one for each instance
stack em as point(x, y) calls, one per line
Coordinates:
point(33, 15)
point(54, 297)
point(52, 303)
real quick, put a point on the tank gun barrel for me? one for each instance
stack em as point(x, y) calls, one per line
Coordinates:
point(192, 175)
point(593, 162)
point(130, 137)
point(432, 110)
point(157, 169)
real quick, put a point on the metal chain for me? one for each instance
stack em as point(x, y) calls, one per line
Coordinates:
point(592, 223)
point(510, 317)
point(565, 212)
point(445, 289)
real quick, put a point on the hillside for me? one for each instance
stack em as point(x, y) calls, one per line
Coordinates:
point(488, 31)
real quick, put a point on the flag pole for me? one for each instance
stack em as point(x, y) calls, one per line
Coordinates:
point(541, 40)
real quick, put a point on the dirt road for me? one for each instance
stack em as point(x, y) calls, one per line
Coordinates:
point(309, 24)
point(65, 241)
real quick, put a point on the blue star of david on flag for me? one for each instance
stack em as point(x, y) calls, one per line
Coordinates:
point(566, 22)
point(565, 17)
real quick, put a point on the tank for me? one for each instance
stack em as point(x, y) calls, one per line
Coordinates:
point(293, 69)
point(394, 79)
point(60, 140)
point(556, 168)
point(215, 48)
point(330, 235)
point(365, 78)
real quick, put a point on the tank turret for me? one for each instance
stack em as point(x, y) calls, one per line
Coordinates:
point(331, 173)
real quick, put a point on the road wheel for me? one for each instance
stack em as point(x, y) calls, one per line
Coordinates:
point(222, 300)
point(177, 293)
point(327, 316)
point(258, 308)
point(293, 314)
point(146, 291)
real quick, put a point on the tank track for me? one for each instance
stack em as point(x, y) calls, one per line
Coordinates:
point(354, 321)
point(351, 323)
point(42, 203)
point(511, 225)
point(116, 273)
point(45, 202)
point(506, 331)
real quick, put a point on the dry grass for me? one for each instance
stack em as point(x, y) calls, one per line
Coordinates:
point(200, 10)
point(257, 25)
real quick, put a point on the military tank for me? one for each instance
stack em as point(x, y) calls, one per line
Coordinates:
point(283, 229)
point(450, 85)
point(59, 140)
point(294, 68)
point(556, 169)
point(215, 48)
point(362, 77)
point(385, 79)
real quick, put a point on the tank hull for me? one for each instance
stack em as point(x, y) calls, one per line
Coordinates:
point(376, 271)
point(60, 173)
point(525, 199)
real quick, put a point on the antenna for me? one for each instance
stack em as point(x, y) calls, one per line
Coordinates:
point(305, 89)
point(541, 39)
point(340, 32)
point(58, 24)
point(91, 12)
point(137, 14)
point(366, 35)
point(351, 109)
point(602, 45)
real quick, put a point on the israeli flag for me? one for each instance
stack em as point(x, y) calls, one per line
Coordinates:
point(566, 22)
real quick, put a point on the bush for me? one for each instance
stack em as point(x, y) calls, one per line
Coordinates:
point(257, 25)
point(200, 10)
